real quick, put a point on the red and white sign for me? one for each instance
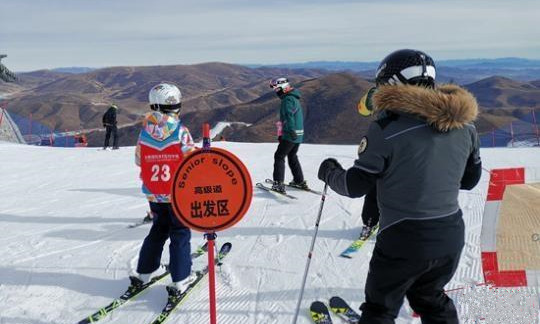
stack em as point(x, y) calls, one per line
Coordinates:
point(212, 190)
point(492, 240)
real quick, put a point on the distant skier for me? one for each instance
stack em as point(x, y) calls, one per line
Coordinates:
point(109, 122)
point(292, 129)
point(420, 152)
point(162, 143)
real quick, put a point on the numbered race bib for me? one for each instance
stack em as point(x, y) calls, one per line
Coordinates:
point(159, 166)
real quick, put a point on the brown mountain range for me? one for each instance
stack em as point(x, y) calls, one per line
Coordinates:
point(504, 100)
point(330, 110)
point(77, 101)
point(215, 92)
point(329, 104)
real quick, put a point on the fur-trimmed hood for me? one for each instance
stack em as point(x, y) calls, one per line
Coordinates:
point(445, 108)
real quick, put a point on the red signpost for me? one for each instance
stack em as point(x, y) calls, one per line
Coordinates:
point(210, 237)
point(212, 191)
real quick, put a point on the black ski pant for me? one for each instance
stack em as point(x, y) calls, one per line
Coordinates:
point(165, 225)
point(289, 150)
point(370, 211)
point(422, 281)
point(108, 131)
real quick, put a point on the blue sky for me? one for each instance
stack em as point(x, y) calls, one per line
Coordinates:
point(40, 34)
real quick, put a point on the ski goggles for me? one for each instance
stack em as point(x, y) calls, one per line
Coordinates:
point(365, 105)
point(276, 82)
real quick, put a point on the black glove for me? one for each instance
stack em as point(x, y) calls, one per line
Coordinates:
point(292, 134)
point(326, 167)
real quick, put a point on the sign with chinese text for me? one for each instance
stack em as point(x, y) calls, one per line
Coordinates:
point(212, 190)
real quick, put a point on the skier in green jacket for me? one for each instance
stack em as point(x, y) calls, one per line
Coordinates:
point(290, 136)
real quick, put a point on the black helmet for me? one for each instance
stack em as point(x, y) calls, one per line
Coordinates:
point(406, 66)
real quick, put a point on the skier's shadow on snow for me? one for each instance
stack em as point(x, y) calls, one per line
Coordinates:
point(21, 320)
point(49, 219)
point(338, 234)
point(275, 196)
point(292, 295)
point(86, 285)
point(279, 302)
point(129, 192)
point(107, 234)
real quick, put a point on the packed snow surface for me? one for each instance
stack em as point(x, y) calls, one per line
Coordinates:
point(66, 248)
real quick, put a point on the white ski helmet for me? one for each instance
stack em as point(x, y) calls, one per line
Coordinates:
point(280, 84)
point(165, 97)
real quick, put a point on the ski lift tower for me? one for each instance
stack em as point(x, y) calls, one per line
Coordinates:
point(5, 74)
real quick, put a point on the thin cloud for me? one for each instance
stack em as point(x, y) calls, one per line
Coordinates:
point(51, 33)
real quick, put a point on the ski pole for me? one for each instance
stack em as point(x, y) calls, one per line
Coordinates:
point(323, 198)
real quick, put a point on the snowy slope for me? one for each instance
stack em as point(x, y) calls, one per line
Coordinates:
point(65, 249)
point(220, 127)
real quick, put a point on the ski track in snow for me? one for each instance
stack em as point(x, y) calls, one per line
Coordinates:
point(66, 250)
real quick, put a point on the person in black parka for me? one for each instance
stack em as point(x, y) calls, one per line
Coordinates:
point(109, 122)
point(422, 149)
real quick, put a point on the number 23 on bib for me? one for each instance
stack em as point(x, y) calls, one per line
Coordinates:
point(159, 166)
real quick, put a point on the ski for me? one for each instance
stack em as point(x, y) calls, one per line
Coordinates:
point(134, 291)
point(319, 313)
point(146, 220)
point(288, 185)
point(343, 310)
point(263, 187)
point(174, 301)
point(357, 244)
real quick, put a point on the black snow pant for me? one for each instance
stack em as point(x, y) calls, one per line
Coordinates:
point(422, 281)
point(370, 211)
point(108, 131)
point(165, 225)
point(289, 150)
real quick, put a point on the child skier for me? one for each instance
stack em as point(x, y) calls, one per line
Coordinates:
point(162, 143)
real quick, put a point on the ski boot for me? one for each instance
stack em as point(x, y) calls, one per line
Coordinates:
point(135, 283)
point(300, 185)
point(139, 279)
point(175, 289)
point(149, 217)
point(278, 186)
